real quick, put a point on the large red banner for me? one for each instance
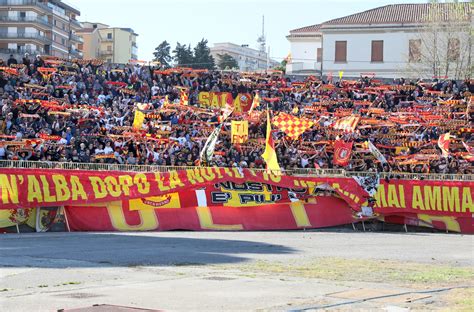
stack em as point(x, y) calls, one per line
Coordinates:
point(25, 188)
point(232, 199)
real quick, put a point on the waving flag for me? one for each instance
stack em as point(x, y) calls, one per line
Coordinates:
point(269, 155)
point(375, 151)
point(342, 153)
point(469, 156)
point(347, 124)
point(292, 126)
point(183, 95)
point(138, 120)
point(255, 102)
point(443, 144)
point(208, 149)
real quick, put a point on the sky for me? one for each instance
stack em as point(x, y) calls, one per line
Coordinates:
point(236, 21)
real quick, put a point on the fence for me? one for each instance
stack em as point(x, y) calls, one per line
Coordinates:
point(293, 172)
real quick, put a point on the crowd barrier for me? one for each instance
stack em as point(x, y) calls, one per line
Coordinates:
point(292, 172)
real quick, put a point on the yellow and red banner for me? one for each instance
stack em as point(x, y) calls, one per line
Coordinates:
point(217, 100)
point(239, 131)
point(230, 199)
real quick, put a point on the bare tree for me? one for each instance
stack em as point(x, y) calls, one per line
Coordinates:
point(443, 45)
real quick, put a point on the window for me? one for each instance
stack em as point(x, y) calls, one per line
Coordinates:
point(109, 36)
point(377, 51)
point(109, 60)
point(341, 51)
point(54, 22)
point(63, 41)
point(109, 48)
point(453, 49)
point(22, 14)
point(414, 50)
point(319, 55)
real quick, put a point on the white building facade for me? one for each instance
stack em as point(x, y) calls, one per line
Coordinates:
point(247, 58)
point(384, 42)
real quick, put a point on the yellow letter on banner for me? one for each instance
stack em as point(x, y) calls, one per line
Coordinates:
point(450, 222)
point(148, 219)
point(299, 213)
point(205, 219)
point(9, 189)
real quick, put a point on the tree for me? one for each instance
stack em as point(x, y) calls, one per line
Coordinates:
point(226, 61)
point(183, 55)
point(162, 54)
point(443, 46)
point(281, 66)
point(202, 56)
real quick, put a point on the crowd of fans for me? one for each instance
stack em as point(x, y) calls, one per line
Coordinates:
point(86, 110)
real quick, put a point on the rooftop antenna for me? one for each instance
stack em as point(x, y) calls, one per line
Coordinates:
point(261, 40)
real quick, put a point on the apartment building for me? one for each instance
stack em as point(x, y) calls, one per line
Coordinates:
point(111, 44)
point(46, 27)
point(248, 59)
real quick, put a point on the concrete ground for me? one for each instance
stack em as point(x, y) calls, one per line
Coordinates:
point(238, 271)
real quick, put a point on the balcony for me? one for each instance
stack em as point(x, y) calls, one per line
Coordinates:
point(106, 53)
point(76, 53)
point(34, 36)
point(21, 52)
point(23, 20)
point(35, 3)
point(76, 23)
point(76, 38)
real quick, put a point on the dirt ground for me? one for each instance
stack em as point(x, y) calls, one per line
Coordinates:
point(238, 271)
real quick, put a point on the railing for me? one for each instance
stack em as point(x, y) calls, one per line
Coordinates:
point(4, 35)
point(21, 51)
point(26, 19)
point(76, 38)
point(25, 2)
point(293, 172)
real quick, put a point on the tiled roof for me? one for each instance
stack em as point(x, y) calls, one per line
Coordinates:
point(395, 14)
point(312, 28)
point(405, 13)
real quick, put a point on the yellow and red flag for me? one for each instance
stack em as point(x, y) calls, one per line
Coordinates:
point(347, 124)
point(138, 120)
point(269, 155)
point(183, 95)
point(443, 144)
point(255, 102)
point(292, 126)
point(342, 153)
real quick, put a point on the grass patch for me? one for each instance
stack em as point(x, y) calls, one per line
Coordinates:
point(460, 299)
point(340, 269)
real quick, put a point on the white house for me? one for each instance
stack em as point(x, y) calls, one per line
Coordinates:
point(248, 59)
point(385, 41)
point(306, 50)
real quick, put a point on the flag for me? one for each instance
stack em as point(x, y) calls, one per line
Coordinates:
point(255, 102)
point(269, 155)
point(183, 95)
point(341, 73)
point(342, 153)
point(239, 131)
point(166, 102)
point(375, 151)
point(208, 149)
point(292, 126)
point(443, 144)
point(347, 124)
point(138, 120)
point(469, 156)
